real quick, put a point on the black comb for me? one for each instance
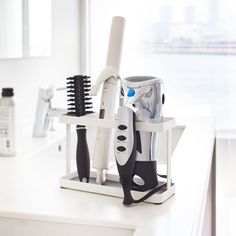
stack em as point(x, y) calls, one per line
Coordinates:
point(79, 104)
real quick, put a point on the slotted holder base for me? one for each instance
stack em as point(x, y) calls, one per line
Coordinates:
point(112, 187)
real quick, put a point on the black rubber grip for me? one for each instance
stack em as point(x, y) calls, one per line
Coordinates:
point(82, 155)
point(147, 171)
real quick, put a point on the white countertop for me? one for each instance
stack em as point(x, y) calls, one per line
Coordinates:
point(29, 189)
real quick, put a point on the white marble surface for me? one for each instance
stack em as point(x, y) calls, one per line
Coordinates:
point(29, 189)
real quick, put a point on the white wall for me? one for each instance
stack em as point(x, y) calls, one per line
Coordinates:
point(11, 28)
point(25, 75)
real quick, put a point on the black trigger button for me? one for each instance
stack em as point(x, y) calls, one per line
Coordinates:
point(121, 138)
point(121, 148)
point(122, 127)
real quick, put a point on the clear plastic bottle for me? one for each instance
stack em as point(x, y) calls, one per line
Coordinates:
point(7, 123)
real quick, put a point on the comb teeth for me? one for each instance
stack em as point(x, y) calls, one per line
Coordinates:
point(78, 88)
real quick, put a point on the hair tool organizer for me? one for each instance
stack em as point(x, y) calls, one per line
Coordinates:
point(138, 126)
point(112, 186)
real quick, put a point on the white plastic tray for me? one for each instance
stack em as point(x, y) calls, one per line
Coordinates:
point(112, 187)
point(93, 120)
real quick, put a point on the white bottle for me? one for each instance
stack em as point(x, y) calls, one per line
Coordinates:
point(7, 123)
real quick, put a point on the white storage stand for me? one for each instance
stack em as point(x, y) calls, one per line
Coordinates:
point(112, 187)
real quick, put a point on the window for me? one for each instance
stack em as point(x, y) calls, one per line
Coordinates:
point(190, 44)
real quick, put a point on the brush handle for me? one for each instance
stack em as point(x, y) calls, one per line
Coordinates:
point(82, 154)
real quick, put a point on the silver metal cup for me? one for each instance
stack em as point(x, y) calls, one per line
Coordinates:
point(147, 95)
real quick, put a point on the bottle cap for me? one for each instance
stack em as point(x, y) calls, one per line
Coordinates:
point(7, 92)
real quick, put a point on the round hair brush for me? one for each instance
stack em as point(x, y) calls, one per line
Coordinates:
point(79, 104)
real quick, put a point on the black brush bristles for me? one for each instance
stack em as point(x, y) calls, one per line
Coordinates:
point(78, 98)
